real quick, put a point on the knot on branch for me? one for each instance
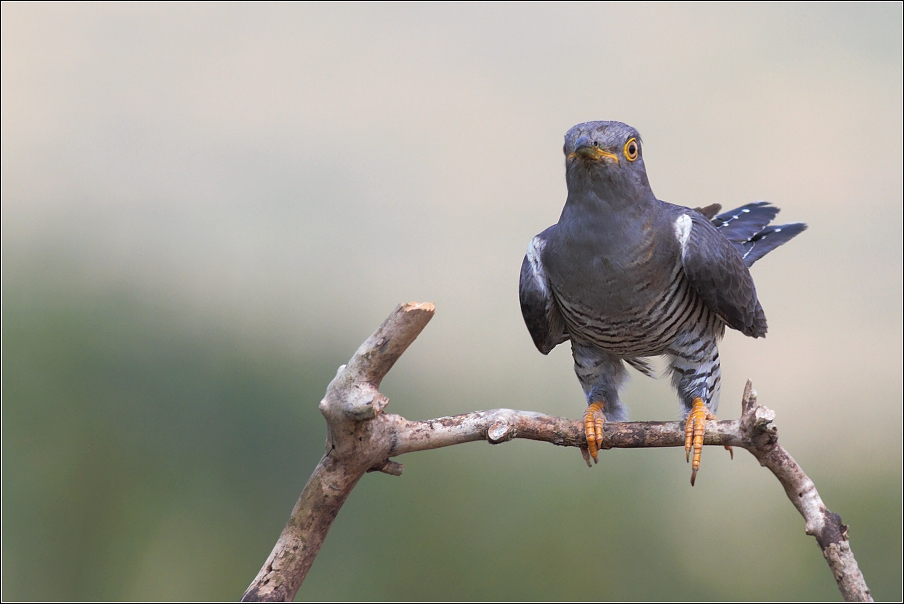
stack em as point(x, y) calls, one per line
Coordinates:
point(364, 402)
point(500, 432)
point(387, 466)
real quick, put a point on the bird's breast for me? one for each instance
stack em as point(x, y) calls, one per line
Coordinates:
point(631, 300)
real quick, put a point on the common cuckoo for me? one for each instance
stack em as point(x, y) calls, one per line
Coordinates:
point(626, 276)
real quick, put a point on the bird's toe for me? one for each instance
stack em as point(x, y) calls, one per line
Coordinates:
point(693, 434)
point(593, 431)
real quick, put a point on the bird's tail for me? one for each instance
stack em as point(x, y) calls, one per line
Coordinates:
point(749, 230)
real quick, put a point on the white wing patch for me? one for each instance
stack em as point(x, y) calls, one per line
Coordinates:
point(683, 231)
point(534, 248)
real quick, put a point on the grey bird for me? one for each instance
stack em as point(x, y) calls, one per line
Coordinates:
point(626, 277)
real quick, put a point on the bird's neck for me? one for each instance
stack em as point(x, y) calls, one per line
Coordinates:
point(610, 223)
point(606, 205)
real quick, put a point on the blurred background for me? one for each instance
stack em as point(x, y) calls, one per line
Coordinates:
point(207, 208)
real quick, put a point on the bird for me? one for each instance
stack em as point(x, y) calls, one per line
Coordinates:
point(626, 277)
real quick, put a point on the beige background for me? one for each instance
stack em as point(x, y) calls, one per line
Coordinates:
point(288, 173)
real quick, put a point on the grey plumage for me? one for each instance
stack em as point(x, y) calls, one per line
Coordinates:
point(625, 276)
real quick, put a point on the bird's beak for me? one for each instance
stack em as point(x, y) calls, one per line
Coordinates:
point(585, 148)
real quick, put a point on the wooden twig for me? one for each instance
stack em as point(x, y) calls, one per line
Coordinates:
point(361, 438)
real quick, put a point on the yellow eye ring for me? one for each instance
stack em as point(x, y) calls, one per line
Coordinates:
point(632, 149)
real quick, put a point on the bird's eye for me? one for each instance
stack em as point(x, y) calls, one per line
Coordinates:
point(632, 150)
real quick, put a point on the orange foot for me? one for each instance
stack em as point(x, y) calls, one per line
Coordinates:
point(693, 434)
point(593, 430)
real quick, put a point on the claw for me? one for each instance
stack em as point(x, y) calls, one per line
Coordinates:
point(593, 431)
point(586, 455)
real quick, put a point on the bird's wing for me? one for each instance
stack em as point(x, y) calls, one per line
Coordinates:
point(541, 315)
point(717, 272)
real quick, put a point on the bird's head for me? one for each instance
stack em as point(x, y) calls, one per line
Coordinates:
point(605, 156)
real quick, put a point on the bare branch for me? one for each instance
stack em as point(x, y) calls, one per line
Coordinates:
point(821, 523)
point(353, 447)
point(501, 425)
point(362, 439)
point(354, 389)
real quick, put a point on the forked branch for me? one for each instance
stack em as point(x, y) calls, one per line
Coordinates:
point(361, 438)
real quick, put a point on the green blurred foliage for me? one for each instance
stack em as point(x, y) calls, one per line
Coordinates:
point(149, 456)
point(143, 457)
